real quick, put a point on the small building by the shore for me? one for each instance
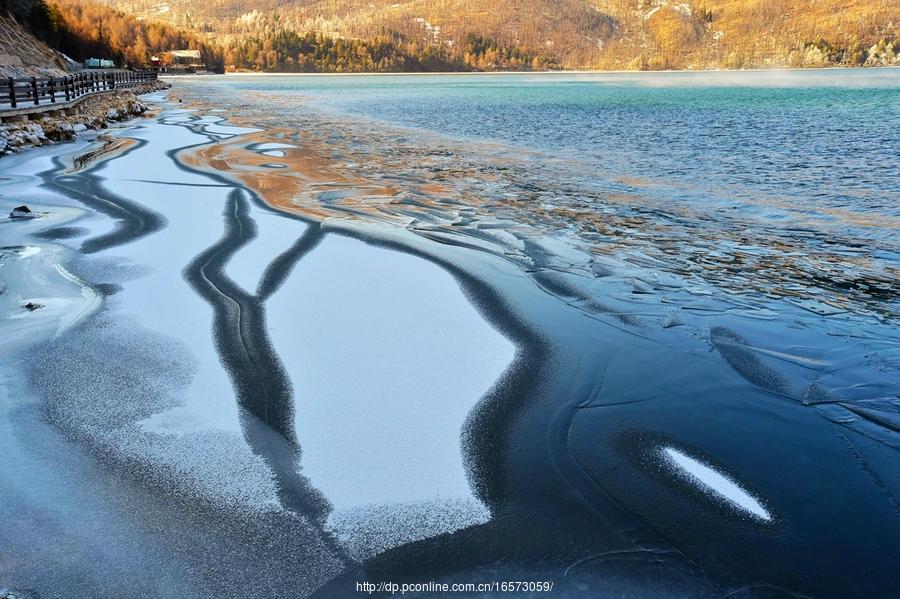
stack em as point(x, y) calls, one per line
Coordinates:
point(180, 61)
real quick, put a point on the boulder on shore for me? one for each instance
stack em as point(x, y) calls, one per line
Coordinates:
point(22, 211)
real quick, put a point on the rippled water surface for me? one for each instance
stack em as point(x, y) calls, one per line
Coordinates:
point(823, 139)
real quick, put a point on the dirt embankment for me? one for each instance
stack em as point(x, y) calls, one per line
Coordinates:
point(23, 55)
point(93, 113)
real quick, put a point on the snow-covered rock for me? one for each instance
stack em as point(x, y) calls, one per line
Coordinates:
point(22, 211)
point(79, 128)
point(112, 114)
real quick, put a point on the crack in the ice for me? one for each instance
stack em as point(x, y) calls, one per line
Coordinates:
point(261, 384)
point(280, 268)
point(133, 221)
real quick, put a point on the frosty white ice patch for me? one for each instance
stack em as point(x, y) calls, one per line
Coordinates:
point(711, 481)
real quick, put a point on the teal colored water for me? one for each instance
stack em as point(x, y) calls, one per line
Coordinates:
point(820, 139)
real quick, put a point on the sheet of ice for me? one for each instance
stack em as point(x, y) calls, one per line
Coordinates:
point(177, 118)
point(273, 153)
point(711, 480)
point(32, 273)
point(163, 300)
point(229, 130)
point(558, 250)
point(20, 184)
point(28, 163)
point(154, 96)
point(156, 422)
point(209, 119)
point(37, 278)
point(369, 530)
point(387, 358)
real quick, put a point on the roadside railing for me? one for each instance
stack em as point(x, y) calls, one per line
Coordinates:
point(16, 94)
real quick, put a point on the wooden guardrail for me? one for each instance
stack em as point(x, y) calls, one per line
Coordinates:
point(16, 94)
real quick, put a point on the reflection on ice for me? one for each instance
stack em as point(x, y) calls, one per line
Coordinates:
point(715, 482)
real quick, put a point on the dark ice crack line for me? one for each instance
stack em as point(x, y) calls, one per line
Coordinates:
point(133, 221)
point(259, 379)
point(280, 268)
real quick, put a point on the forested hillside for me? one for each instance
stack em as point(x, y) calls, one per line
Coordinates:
point(33, 32)
point(415, 35)
point(83, 30)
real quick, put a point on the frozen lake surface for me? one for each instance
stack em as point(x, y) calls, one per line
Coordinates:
point(635, 334)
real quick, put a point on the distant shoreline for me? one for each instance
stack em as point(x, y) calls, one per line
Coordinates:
point(547, 72)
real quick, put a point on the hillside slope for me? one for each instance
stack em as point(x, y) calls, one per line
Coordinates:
point(607, 34)
point(23, 55)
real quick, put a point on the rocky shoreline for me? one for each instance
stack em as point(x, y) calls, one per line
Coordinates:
point(93, 113)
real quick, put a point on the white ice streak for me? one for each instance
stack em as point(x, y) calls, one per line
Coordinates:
point(90, 301)
point(28, 251)
point(275, 150)
point(273, 146)
point(228, 130)
point(711, 480)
